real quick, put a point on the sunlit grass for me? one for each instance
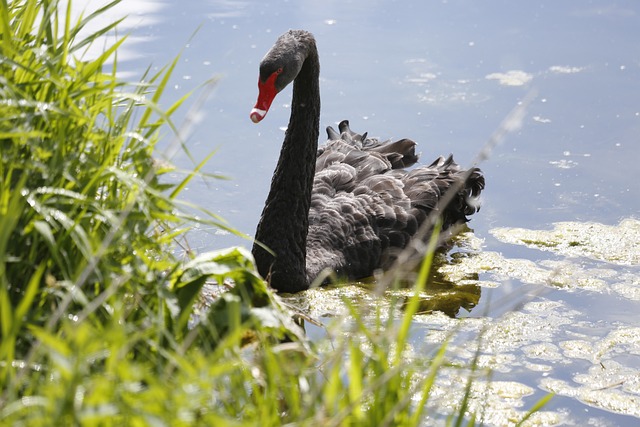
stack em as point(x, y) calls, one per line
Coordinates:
point(97, 321)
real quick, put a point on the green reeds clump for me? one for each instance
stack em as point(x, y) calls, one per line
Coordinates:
point(80, 191)
point(94, 306)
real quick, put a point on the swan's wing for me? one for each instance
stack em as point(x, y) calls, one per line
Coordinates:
point(342, 153)
point(364, 208)
point(352, 223)
point(399, 154)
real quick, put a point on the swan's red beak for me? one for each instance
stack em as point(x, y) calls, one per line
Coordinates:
point(266, 93)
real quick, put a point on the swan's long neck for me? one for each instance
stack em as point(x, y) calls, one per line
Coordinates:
point(284, 223)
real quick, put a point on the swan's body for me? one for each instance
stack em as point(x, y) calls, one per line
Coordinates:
point(350, 205)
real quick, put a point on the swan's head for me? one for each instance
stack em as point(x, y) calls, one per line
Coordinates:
point(278, 68)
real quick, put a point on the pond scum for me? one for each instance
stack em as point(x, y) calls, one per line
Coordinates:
point(96, 314)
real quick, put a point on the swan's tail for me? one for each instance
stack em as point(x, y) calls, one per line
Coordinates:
point(444, 187)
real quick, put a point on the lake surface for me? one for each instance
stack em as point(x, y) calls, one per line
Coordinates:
point(445, 74)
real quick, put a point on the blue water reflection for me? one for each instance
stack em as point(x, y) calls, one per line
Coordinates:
point(444, 73)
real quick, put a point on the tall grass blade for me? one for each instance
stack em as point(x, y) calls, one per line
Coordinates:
point(536, 408)
point(414, 302)
point(180, 186)
point(5, 24)
point(355, 373)
point(435, 365)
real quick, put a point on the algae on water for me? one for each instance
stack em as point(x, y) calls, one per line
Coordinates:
point(616, 244)
point(543, 337)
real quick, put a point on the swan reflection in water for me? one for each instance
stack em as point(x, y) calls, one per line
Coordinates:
point(440, 294)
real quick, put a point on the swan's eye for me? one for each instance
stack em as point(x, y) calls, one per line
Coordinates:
point(279, 70)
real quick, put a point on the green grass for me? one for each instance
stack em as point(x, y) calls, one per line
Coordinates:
point(94, 306)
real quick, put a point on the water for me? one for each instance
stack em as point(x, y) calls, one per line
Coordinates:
point(445, 74)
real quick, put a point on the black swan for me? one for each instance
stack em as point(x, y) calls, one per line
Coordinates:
point(349, 205)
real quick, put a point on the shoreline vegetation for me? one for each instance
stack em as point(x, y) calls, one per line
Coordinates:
point(97, 313)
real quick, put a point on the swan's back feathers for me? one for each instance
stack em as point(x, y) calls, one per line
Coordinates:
point(399, 154)
point(365, 207)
